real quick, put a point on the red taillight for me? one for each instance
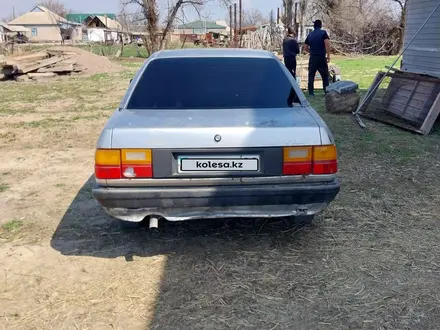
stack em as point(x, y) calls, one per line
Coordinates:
point(329, 167)
point(297, 168)
point(125, 163)
point(310, 160)
point(137, 171)
point(107, 172)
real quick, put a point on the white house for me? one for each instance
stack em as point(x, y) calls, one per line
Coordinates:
point(46, 26)
point(103, 29)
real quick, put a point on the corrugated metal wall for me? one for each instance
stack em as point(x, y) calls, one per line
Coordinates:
point(423, 55)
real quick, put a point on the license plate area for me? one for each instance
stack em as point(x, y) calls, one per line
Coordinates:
point(166, 163)
point(210, 164)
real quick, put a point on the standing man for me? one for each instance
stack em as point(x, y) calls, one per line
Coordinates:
point(290, 51)
point(317, 44)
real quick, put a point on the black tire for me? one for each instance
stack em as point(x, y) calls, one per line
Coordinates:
point(302, 220)
point(128, 225)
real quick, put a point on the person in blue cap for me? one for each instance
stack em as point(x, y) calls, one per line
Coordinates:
point(317, 44)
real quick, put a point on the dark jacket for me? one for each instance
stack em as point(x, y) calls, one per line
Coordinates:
point(290, 47)
point(315, 40)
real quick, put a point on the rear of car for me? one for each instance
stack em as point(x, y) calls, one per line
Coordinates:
point(214, 134)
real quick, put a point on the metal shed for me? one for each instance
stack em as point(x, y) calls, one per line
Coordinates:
point(423, 54)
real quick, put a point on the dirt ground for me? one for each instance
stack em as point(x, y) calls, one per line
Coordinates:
point(369, 262)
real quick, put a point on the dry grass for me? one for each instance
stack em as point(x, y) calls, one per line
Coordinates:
point(369, 262)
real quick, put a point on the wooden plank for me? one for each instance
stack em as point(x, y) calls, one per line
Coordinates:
point(431, 117)
point(410, 96)
point(429, 101)
point(419, 96)
point(41, 64)
point(411, 74)
point(394, 86)
point(57, 69)
point(404, 94)
point(23, 78)
point(371, 92)
point(26, 58)
point(416, 103)
point(65, 62)
point(41, 75)
point(407, 87)
point(57, 53)
point(428, 86)
point(391, 121)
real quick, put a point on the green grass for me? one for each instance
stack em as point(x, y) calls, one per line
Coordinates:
point(13, 225)
point(363, 70)
point(3, 186)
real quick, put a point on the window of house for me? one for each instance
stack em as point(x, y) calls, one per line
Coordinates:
point(34, 32)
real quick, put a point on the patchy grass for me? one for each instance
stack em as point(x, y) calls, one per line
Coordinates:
point(3, 187)
point(13, 225)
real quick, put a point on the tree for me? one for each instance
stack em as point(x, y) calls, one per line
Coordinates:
point(253, 17)
point(150, 11)
point(402, 4)
point(359, 26)
point(288, 10)
point(55, 6)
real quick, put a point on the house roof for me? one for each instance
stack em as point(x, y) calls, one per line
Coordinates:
point(80, 18)
point(15, 28)
point(201, 25)
point(107, 22)
point(40, 16)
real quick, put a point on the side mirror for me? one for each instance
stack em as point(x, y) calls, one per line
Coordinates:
point(131, 80)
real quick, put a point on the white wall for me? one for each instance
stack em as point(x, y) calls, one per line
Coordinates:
point(96, 35)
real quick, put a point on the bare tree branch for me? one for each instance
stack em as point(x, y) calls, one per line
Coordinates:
point(150, 11)
point(55, 6)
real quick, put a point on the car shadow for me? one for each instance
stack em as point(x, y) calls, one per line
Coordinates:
point(87, 230)
point(199, 255)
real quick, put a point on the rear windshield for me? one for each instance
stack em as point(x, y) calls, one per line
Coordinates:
point(213, 83)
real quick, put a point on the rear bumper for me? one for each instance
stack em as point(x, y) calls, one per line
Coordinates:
point(185, 203)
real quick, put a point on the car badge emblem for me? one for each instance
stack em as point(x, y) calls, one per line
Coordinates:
point(217, 138)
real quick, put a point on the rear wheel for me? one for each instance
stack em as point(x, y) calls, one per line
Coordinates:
point(302, 220)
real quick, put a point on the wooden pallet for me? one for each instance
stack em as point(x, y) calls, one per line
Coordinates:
point(410, 101)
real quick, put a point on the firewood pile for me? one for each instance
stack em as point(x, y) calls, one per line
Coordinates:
point(39, 66)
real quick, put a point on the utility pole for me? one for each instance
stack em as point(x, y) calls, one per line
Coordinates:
point(13, 12)
point(235, 24)
point(295, 21)
point(240, 19)
point(230, 22)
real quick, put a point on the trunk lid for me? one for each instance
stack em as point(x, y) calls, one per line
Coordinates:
point(237, 128)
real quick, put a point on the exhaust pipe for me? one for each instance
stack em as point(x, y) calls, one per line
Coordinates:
point(154, 222)
point(154, 227)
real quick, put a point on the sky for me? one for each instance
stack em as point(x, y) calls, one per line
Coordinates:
point(114, 6)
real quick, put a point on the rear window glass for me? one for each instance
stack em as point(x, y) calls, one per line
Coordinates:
point(213, 83)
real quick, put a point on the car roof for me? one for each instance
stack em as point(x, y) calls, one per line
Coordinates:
point(214, 52)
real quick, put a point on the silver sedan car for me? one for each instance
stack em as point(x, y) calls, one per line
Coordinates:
point(214, 133)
